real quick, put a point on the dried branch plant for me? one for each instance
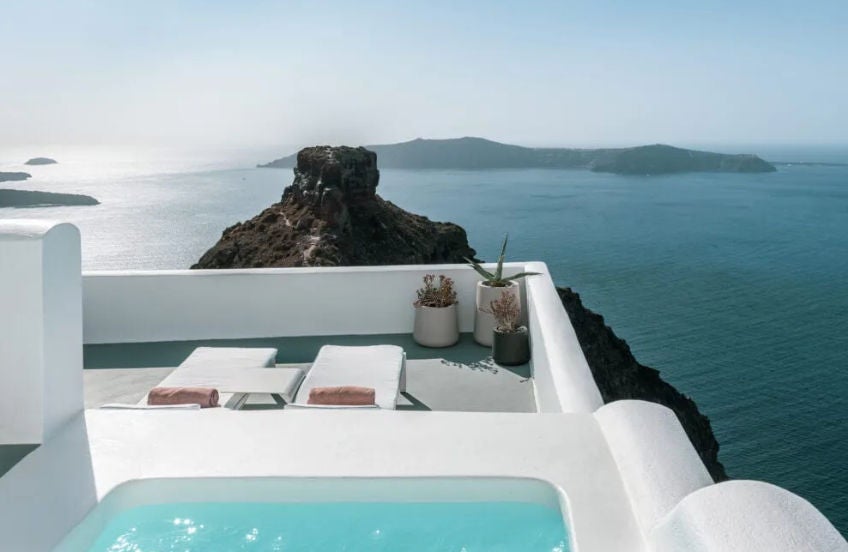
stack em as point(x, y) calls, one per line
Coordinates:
point(442, 294)
point(507, 312)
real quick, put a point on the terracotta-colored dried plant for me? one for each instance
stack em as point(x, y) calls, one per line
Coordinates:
point(507, 312)
point(442, 294)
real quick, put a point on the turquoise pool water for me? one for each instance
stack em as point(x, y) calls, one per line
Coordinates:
point(331, 526)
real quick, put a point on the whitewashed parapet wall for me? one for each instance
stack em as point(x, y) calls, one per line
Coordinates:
point(40, 329)
point(179, 305)
point(562, 377)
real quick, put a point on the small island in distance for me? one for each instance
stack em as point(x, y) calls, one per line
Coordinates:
point(33, 198)
point(30, 198)
point(41, 161)
point(13, 176)
point(479, 153)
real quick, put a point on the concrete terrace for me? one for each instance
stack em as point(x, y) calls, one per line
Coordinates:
point(462, 378)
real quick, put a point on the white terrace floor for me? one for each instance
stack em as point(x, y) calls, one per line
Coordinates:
point(108, 447)
point(462, 378)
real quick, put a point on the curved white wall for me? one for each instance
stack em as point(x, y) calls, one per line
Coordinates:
point(749, 516)
point(657, 462)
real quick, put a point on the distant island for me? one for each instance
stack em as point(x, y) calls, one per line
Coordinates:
point(29, 198)
point(41, 161)
point(478, 153)
point(13, 176)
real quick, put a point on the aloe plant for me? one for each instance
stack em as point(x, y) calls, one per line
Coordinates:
point(496, 278)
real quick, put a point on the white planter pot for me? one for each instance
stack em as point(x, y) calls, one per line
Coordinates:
point(484, 323)
point(436, 326)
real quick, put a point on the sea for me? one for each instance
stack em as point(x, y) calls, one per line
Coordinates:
point(734, 286)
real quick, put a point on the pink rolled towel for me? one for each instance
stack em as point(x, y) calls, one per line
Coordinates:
point(204, 396)
point(347, 395)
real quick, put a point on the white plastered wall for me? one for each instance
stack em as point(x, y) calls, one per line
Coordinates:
point(562, 378)
point(40, 329)
point(178, 305)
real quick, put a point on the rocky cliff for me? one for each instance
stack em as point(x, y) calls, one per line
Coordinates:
point(620, 376)
point(331, 215)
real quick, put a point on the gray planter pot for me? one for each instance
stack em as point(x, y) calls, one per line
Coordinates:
point(436, 326)
point(511, 349)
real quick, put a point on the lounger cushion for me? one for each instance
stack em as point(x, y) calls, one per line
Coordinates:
point(231, 357)
point(377, 366)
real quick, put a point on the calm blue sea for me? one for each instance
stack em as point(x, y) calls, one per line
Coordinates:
point(734, 286)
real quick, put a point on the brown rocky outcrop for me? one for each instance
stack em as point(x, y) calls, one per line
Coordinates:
point(620, 376)
point(331, 215)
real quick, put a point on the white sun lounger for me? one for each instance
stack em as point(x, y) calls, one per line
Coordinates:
point(382, 367)
point(235, 373)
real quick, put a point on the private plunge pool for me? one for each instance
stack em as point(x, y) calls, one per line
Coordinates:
point(307, 514)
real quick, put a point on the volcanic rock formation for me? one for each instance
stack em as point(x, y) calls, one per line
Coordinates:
point(331, 215)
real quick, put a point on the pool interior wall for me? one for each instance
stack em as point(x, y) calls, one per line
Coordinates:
point(139, 493)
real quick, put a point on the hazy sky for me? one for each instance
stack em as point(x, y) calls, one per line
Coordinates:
point(250, 73)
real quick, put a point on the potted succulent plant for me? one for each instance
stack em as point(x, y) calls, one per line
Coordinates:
point(493, 285)
point(436, 323)
point(511, 343)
